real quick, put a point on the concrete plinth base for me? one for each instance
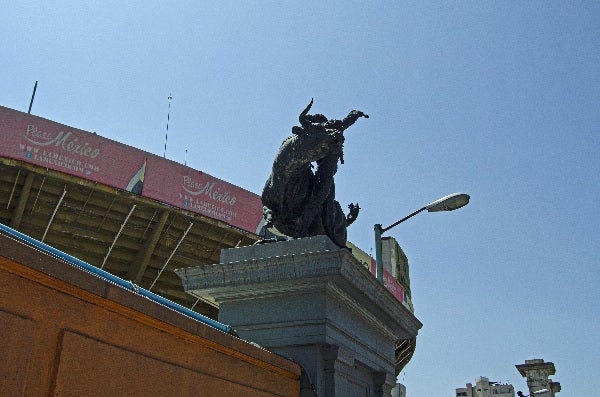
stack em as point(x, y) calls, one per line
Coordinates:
point(312, 301)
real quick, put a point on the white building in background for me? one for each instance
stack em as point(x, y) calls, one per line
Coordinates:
point(395, 261)
point(484, 388)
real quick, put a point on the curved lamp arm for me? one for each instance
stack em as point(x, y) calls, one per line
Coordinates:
point(450, 202)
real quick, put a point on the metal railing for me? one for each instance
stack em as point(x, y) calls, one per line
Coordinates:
point(128, 285)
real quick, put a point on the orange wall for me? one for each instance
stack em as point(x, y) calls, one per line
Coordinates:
point(68, 333)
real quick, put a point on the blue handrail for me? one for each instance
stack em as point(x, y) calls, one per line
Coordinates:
point(128, 285)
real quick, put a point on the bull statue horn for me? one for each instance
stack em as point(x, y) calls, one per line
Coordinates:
point(302, 118)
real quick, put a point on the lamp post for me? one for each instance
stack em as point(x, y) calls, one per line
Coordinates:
point(448, 203)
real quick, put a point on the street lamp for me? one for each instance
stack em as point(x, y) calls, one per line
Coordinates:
point(448, 203)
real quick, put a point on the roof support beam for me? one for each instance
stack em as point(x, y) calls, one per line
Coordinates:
point(138, 267)
point(54, 213)
point(15, 222)
point(170, 256)
point(117, 236)
point(37, 196)
point(219, 244)
point(85, 204)
point(13, 188)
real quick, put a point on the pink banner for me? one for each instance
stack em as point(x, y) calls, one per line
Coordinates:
point(56, 146)
point(196, 191)
point(66, 149)
point(389, 282)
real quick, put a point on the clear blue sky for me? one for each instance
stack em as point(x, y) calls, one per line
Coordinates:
point(497, 99)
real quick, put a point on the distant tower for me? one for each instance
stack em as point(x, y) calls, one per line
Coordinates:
point(537, 373)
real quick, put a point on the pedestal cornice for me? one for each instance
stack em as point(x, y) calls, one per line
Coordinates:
point(297, 266)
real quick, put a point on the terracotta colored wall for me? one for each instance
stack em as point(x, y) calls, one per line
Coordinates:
point(68, 333)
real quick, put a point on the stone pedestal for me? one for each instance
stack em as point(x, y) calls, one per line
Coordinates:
point(311, 301)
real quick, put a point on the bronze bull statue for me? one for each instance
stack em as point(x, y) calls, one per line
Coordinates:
point(299, 195)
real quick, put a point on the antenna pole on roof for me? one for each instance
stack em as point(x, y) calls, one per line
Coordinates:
point(167, 133)
point(32, 96)
point(185, 160)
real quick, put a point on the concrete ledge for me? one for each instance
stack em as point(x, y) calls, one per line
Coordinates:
point(296, 266)
point(275, 249)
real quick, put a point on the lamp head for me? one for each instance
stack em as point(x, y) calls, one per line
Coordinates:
point(449, 203)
